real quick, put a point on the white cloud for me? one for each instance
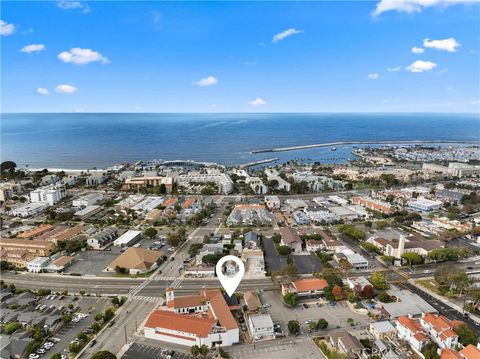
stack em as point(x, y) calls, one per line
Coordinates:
point(33, 48)
point(449, 44)
point(41, 91)
point(207, 81)
point(6, 29)
point(64, 88)
point(282, 35)
point(373, 76)
point(412, 6)
point(418, 50)
point(394, 69)
point(73, 5)
point(80, 56)
point(258, 102)
point(421, 66)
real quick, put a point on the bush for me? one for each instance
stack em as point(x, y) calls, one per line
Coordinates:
point(11, 328)
point(284, 250)
point(103, 354)
point(291, 299)
point(322, 324)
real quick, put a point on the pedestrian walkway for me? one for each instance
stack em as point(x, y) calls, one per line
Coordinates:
point(176, 283)
point(160, 278)
point(147, 298)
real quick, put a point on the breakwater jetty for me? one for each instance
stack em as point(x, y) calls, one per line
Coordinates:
point(341, 143)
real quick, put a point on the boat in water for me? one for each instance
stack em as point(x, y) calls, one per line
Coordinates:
point(333, 149)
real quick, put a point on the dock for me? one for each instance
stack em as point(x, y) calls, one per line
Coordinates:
point(342, 143)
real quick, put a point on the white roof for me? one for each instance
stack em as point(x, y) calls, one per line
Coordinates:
point(383, 327)
point(87, 210)
point(261, 321)
point(127, 237)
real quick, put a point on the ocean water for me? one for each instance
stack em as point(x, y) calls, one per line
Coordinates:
point(86, 140)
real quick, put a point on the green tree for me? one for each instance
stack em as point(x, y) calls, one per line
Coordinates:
point(293, 327)
point(8, 166)
point(412, 258)
point(103, 354)
point(284, 250)
point(322, 324)
point(195, 350)
point(204, 350)
point(74, 347)
point(379, 280)
point(466, 336)
point(429, 351)
point(384, 297)
point(109, 313)
point(120, 270)
point(150, 232)
point(32, 346)
point(56, 356)
point(291, 299)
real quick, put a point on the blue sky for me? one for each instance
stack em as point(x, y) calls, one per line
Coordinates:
point(92, 56)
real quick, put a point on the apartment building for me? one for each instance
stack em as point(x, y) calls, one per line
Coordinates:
point(40, 248)
point(50, 194)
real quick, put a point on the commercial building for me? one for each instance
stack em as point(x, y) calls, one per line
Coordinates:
point(87, 200)
point(424, 204)
point(59, 264)
point(260, 326)
point(203, 319)
point(102, 239)
point(406, 303)
point(49, 194)
point(305, 287)
point(136, 260)
point(17, 257)
point(30, 209)
point(148, 204)
point(129, 238)
point(88, 212)
point(357, 261)
point(37, 264)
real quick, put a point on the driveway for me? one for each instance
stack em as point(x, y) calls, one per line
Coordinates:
point(275, 261)
point(307, 263)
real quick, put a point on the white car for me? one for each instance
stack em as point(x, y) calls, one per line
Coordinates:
point(34, 356)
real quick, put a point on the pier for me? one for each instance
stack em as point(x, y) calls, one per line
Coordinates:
point(251, 164)
point(341, 143)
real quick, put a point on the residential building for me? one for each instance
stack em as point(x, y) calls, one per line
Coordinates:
point(223, 181)
point(256, 184)
point(347, 344)
point(313, 245)
point(252, 301)
point(382, 330)
point(38, 247)
point(249, 214)
point(255, 264)
point(49, 194)
point(18, 257)
point(301, 218)
point(8, 189)
point(291, 239)
point(272, 202)
point(440, 330)
point(251, 240)
point(357, 261)
point(260, 325)
point(306, 287)
point(136, 260)
point(470, 352)
point(36, 231)
point(379, 206)
point(102, 239)
point(95, 179)
point(412, 332)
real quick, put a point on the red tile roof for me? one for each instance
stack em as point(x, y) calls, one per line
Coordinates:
point(310, 284)
point(198, 326)
point(470, 352)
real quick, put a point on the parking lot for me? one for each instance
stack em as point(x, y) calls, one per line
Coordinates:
point(336, 316)
point(86, 305)
point(137, 350)
point(307, 263)
point(275, 262)
point(93, 262)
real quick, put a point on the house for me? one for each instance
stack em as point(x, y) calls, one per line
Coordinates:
point(255, 263)
point(357, 261)
point(102, 239)
point(332, 245)
point(358, 282)
point(252, 301)
point(294, 203)
point(382, 330)
point(470, 352)
point(301, 218)
point(412, 332)
point(313, 245)
point(260, 325)
point(272, 202)
point(251, 240)
point(347, 344)
point(202, 319)
point(136, 260)
point(291, 239)
point(306, 287)
point(440, 329)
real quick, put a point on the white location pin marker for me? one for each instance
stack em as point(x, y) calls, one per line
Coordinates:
point(234, 274)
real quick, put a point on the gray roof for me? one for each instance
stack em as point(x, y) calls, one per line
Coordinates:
point(383, 326)
point(261, 321)
point(409, 303)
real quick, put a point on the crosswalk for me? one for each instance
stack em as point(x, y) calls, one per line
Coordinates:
point(163, 278)
point(147, 298)
point(176, 283)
